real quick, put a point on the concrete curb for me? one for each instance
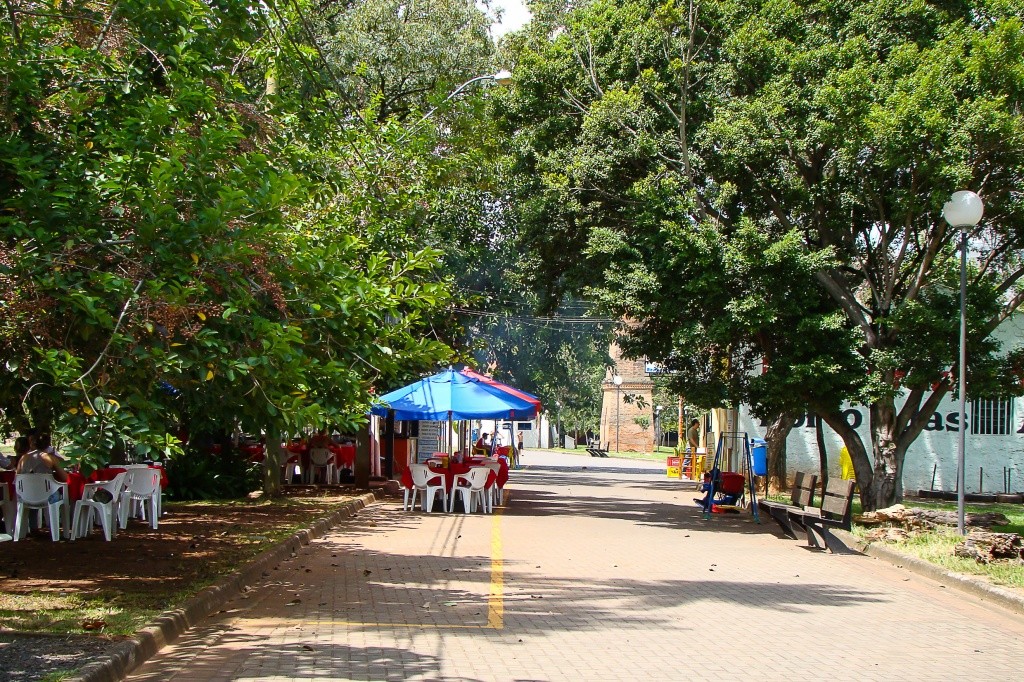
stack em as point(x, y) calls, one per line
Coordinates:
point(125, 656)
point(976, 587)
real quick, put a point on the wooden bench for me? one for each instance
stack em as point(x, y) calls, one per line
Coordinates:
point(836, 511)
point(802, 496)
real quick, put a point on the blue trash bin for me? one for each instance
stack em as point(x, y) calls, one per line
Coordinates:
point(759, 456)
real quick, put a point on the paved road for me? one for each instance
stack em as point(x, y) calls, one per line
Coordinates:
point(596, 570)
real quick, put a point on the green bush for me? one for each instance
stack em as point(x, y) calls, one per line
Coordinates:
point(211, 476)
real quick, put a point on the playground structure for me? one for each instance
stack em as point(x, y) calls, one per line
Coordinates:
point(726, 491)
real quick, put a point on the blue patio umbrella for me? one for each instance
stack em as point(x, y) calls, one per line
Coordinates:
point(452, 395)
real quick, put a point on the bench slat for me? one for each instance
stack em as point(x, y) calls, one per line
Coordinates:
point(803, 489)
point(837, 501)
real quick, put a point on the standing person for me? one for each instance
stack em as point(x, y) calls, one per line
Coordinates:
point(693, 436)
point(519, 448)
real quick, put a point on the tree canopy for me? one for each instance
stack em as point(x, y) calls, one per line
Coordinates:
point(763, 181)
point(184, 239)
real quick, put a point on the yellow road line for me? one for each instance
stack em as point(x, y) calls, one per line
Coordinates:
point(496, 598)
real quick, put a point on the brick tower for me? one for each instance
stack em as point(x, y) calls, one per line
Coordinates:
point(618, 417)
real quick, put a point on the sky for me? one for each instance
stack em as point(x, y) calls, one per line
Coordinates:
point(515, 15)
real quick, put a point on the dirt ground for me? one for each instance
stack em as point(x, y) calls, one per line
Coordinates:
point(107, 590)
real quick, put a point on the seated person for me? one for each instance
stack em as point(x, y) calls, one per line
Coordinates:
point(320, 439)
point(39, 462)
point(44, 444)
point(20, 448)
point(483, 443)
point(722, 497)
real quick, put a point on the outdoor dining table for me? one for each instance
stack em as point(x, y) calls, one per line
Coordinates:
point(7, 479)
point(254, 451)
point(454, 469)
point(108, 473)
point(298, 453)
point(502, 476)
point(76, 481)
point(344, 455)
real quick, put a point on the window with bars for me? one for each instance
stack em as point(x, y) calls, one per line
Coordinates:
point(992, 417)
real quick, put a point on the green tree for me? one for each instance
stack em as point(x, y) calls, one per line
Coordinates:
point(663, 138)
point(561, 357)
point(398, 57)
point(177, 247)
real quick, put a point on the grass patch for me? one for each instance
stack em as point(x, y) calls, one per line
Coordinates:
point(936, 545)
point(57, 676)
point(646, 456)
point(63, 613)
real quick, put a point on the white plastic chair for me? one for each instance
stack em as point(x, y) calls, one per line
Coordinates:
point(141, 486)
point(474, 491)
point(33, 491)
point(494, 491)
point(421, 481)
point(322, 458)
point(81, 524)
point(408, 496)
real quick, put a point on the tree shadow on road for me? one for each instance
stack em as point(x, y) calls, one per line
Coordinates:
point(683, 515)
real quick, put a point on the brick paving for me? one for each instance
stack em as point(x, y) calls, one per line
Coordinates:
point(596, 570)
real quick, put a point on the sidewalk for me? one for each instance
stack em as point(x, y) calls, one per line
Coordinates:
point(602, 573)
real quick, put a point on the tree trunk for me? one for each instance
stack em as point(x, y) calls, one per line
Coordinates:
point(822, 453)
point(272, 462)
point(858, 454)
point(776, 434)
point(987, 547)
point(887, 478)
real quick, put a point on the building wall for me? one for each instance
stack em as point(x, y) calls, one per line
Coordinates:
point(994, 439)
point(934, 453)
point(619, 428)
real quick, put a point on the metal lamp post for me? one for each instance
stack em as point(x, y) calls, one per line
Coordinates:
point(963, 210)
point(558, 425)
point(503, 77)
point(617, 380)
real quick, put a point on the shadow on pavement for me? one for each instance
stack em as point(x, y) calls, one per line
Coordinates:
point(412, 594)
point(686, 515)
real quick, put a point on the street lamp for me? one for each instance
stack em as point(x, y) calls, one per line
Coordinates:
point(963, 210)
point(617, 380)
point(503, 77)
point(558, 425)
